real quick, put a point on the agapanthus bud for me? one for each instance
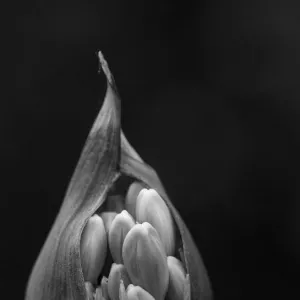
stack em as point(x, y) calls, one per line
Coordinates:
point(117, 272)
point(177, 281)
point(120, 226)
point(145, 260)
point(98, 293)
point(90, 290)
point(93, 249)
point(151, 208)
point(102, 290)
point(108, 217)
point(122, 291)
point(104, 287)
point(138, 293)
point(131, 197)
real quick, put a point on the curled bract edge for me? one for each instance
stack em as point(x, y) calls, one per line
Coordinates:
point(57, 272)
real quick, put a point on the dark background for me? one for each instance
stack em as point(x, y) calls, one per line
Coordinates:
point(211, 99)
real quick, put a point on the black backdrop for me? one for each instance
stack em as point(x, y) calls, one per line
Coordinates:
point(211, 99)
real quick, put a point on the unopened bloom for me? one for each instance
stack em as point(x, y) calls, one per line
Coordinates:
point(120, 226)
point(117, 272)
point(102, 290)
point(138, 293)
point(151, 208)
point(90, 290)
point(145, 260)
point(131, 197)
point(178, 280)
point(93, 248)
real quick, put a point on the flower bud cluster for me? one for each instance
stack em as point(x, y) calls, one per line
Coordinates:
point(141, 240)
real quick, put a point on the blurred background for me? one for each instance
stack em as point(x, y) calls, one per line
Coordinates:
point(211, 99)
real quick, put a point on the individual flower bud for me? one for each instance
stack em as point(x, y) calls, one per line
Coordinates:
point(101, 291)
point(152, 208)
point(131, 197)
point(145, 260)
point(107, 217)
point(122, 291)
point(98, 294)
point(117, 273)
point(120, 226)
point(104, 287)
point(89, 290)
point(93, 248)
point(114, 203)
point(138, 293)
point(177, 281)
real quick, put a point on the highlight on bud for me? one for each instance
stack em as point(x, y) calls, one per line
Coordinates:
point(177, 281)
point(138, 293)
point(151, 208)
point(93, 247)
point(131, 197)
point(117, 273)
point(145, 260)
point(120, 226)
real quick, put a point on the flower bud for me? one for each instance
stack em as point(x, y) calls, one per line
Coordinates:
point(152, 208)
point(138, 293)
point(177, 279)
point(107, 217)
point(89, 290)
point(93, 248)
point(98, 294)
point(122, 291)
point(120, 226)
point(102, 290)
point(104, 287)
point(145, 260)
point(117, 273)
point(131, 197)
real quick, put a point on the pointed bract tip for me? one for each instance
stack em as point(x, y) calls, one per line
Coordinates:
point(104, 66)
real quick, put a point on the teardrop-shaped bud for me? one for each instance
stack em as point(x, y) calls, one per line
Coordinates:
point(131, 197)
point(138, 293)
point(152, 208)
point(117, 273)
point(120, 226)
point(93, 248)
point(145, 260)
point(108, 217)
point(177, 279)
